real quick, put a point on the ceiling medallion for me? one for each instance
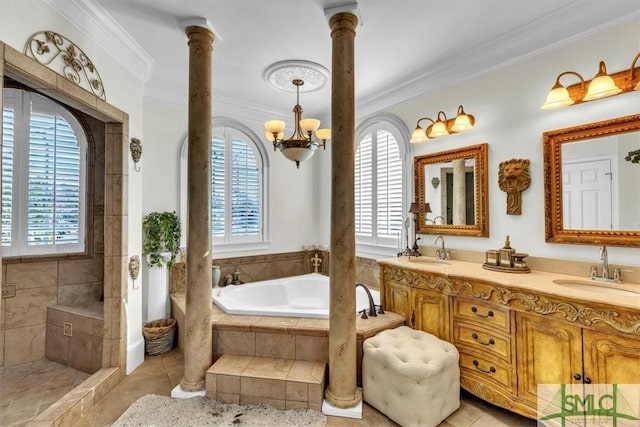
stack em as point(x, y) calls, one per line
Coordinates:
point(282, 74)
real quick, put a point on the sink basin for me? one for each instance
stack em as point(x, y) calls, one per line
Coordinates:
point(429, 260)
point(598, 287)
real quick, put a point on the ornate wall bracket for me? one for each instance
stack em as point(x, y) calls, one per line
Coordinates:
point(65, 58)
point(514, 178)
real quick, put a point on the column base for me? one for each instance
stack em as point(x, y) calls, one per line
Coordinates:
point(334, 411)
point(179, 393)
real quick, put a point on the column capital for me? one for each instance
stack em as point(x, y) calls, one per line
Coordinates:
point(199, 25)
point(352, 8)
point(343, 21)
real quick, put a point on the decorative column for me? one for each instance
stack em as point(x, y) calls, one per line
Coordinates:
point(198, 337)
point(459, 193)
point(342, 391)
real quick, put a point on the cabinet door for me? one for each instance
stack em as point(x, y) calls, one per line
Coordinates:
point(396, 299)
point(611, 359)
point(431, 313)
point(548, 352)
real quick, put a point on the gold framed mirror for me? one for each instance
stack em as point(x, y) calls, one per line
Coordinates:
point(591, 191)
point(451, 192)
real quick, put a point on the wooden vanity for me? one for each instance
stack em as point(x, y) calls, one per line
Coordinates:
point(515, 331)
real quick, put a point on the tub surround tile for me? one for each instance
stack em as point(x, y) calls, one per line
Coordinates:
point(275, 345)
point(79, 295)
point(228, 398)
point(268, 367)
point(235, 342)
point(312, 348)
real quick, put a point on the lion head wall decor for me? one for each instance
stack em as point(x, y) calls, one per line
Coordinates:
point(514, 178)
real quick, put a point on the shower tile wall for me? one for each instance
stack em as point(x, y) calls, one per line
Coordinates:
point(32, 284)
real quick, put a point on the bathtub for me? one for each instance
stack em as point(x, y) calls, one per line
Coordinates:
point(298, 296)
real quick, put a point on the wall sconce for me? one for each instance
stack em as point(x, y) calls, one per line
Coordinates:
point(136, 152)
point(601, 86)
point(443, 126)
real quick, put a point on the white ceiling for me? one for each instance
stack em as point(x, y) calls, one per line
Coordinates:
point(404, 48)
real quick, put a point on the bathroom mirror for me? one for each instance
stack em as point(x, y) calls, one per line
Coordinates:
point(592, 194)
point(451, 192)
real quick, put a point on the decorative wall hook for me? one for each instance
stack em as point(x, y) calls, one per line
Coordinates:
point(136, 152)
point(435, 182)
point(514, 178)
point(134, 269)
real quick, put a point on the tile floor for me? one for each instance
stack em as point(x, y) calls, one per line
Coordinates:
point(27, 390)
point(159, 374)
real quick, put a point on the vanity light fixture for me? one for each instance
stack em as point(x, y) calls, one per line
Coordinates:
point(301, 145)
point(442, 126)
point(601, 86)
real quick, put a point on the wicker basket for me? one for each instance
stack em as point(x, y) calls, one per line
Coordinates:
point(159, 336)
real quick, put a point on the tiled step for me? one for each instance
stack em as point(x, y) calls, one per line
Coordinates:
point(281, 383)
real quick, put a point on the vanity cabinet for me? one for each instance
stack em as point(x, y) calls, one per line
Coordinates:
point(510, 339)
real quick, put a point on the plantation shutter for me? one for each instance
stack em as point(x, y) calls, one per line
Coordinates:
point(364, 188)
point(7, 174)
point(218, 185)
point(53, 195)
point(389, 185)
point(245, 190)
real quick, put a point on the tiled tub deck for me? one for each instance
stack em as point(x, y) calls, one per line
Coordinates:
point(279, 337)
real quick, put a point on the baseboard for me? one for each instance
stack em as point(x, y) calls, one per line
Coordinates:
point(135, 355)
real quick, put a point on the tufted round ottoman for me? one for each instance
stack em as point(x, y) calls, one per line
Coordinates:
point(411, 376)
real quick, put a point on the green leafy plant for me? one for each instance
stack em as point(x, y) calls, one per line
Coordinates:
point(161, 232)
point(633, 157)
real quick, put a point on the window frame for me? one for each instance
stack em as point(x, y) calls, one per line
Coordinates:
point(21, 100)
point(230, 243)
point(375, 247)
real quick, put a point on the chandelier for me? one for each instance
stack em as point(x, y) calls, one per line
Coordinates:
point(300, 145)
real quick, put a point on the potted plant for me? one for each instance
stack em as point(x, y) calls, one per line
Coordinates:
point(161, 232)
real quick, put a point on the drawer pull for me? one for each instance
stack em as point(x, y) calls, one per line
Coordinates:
point(577, 377)
point(587, 380)
point(490, 342)
point(491, 370)
point(475, 311)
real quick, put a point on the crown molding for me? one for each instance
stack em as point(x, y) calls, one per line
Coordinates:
point(100, 27)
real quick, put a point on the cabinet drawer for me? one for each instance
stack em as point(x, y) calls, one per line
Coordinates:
point(469, 335)
point(481, 313)
point(490, 368)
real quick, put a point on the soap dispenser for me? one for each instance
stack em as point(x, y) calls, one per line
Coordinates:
point(506, 254)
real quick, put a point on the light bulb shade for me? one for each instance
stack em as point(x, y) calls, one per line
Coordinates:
point(602, 85)
point(323, 134)
point(309, 125)
point(418, 136)
point(270, 137)
point(274, 126)
point(437, 129)
point(427, 208)
point(414, 208)
point(298, 154)
point(557, 97)
point(463, 122)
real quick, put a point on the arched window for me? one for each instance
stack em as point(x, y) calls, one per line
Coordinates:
point(44, 168)
point(382, 181)
point(238, 188)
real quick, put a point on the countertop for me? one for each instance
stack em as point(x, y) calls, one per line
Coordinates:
point(535, 281)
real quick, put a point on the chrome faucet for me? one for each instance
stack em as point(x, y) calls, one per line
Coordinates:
point(441, 253)
point(372, 305)
point(604, 257)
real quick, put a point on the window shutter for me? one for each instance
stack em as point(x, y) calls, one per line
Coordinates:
point(389, 185)
point(364, 187)
point(245, 203)
point(53, 198)
point(7, 174)
point(217, 185)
